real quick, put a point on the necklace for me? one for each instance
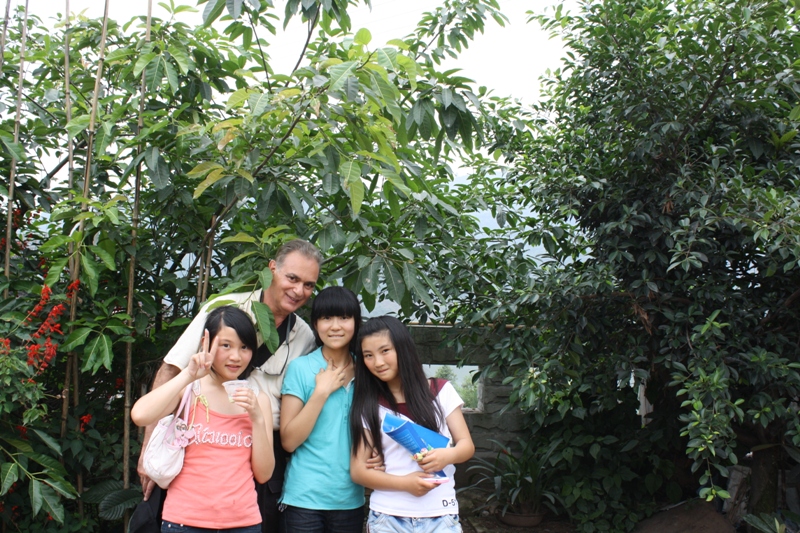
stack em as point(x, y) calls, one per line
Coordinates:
point(349, 360)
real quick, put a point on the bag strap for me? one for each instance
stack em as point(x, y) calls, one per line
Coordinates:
point(183, 410)
point(184, 406)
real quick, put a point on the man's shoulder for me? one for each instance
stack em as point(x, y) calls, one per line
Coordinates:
point(301, 325)
point(234, 298)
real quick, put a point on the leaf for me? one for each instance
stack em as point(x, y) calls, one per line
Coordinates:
point(16, 149)
point(411, 277)
point(51, 503)
point(258, 103)
point(172, 76)
point(792, 452)
point(75, 339)
point(339, 73)
point(181, 57)
point(61, 485)
point(351, 174)
point(77, 125)
point(213, 177)
point(50, 441)
point(54, 271)
point(363, 36)
point(266, 325)
point(159, 170)
point(394, 282)
point(96, 494)
point(142, 62)
point(47, 462)
point(265, 277)
point(238, 98)
point(202, 169)
point(212, 11)
point(114, 505)
point(35, 492)
point(105, 257)
point(234, 8)
point(98, 353)
point(20, 445)
point(240, 237)
point(387, 58)
point(154, 73)
point(8, 475)
point(90, 267)
point(370, 277)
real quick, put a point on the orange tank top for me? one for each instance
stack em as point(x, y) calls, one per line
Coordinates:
point(215, 488)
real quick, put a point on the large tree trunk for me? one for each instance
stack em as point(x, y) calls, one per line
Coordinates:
point(764, 480)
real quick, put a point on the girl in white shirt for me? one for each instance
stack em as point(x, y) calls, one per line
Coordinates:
point(389, 379)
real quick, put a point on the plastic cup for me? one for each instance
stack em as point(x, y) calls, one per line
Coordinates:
point(231, 386)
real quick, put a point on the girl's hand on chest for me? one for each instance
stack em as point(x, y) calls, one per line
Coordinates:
point(330, 379)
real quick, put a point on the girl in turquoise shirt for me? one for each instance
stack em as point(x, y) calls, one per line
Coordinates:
point(318, 494)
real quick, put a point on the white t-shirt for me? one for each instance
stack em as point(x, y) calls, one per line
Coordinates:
point(398, 461)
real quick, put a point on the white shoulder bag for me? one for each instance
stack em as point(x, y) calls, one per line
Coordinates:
point(163, 457)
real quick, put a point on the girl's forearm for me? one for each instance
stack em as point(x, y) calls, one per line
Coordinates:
point(462, 451)
point(375, 479)
point(262, 457)
point(296, 431)
point(160, 401)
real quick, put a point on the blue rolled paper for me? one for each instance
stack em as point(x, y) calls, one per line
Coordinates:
point(415, 438)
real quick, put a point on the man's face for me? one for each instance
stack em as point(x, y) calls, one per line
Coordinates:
point(292, 283)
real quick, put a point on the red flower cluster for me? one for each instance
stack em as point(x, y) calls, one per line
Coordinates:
point(120, 383)
point(5, 346)
point(72, 289)
point(51, 325)
point(85, 419)
point(46, 293)
point(23, 431)
point(41, 354)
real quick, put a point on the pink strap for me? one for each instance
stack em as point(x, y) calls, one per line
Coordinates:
point(184, 406)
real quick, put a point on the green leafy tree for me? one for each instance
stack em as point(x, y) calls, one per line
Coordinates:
point(649, 236)
point(203, 161)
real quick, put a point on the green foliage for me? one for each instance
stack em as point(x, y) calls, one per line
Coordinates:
point(519, 479)
point(649, 236)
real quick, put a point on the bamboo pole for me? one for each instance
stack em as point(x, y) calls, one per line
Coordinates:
point(73, 276)
point(126, 434)
point(13, 172)
point(209, 255)
point(3, 36)
point(84, 208)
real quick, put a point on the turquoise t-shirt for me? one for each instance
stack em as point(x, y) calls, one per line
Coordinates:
point(318, 476)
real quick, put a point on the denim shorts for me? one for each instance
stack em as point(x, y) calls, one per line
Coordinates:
point(384, 523)
point(172, 527)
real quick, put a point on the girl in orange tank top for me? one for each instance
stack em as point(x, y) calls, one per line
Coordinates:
point(232, 442)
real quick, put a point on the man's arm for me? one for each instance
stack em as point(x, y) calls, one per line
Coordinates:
point(164, 374)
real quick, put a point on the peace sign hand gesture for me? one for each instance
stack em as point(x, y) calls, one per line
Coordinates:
point(200, 363)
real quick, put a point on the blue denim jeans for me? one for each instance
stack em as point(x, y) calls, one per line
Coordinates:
point(172, 527)
point(385, 523)
point(299, 520)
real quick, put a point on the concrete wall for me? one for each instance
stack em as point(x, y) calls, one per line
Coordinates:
point(485, 423)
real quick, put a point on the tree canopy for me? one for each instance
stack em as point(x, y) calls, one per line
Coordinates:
point(650, 237)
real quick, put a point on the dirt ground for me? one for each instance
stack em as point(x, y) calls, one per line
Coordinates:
point(490, 524)
point(694, 516)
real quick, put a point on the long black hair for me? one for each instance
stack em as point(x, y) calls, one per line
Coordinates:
point(238, 321)
point(336, 301)
point(370, 390)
